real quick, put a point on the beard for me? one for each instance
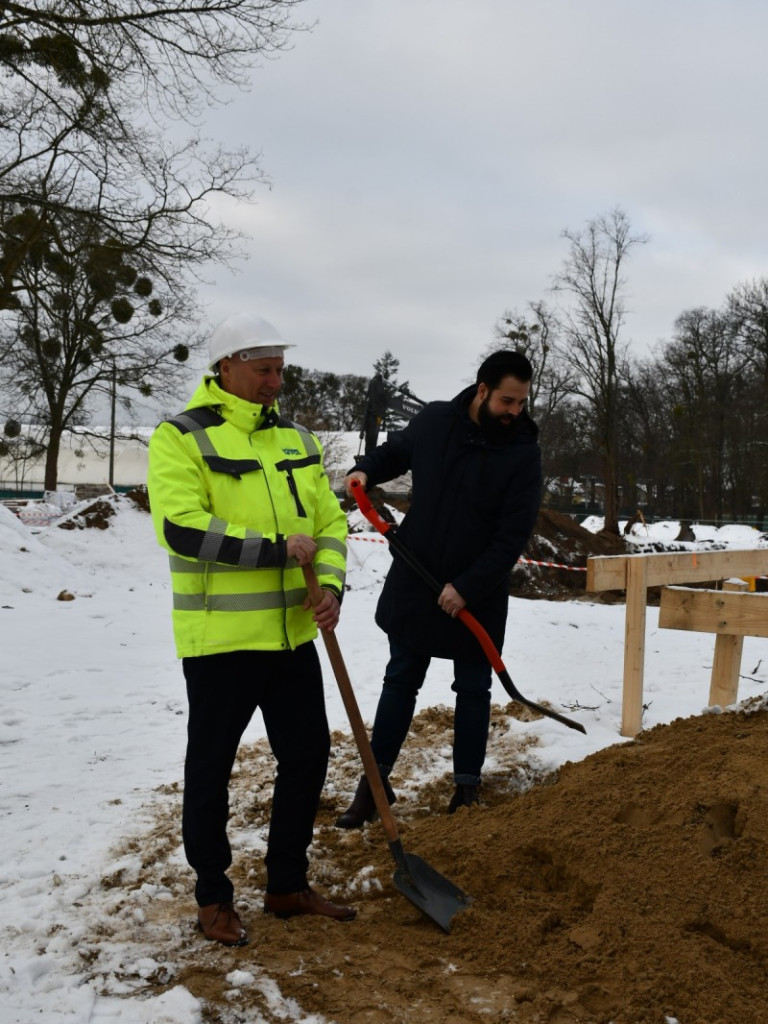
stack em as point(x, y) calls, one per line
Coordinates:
point(496, 428)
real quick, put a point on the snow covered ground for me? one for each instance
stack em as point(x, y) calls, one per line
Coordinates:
point(92, 723)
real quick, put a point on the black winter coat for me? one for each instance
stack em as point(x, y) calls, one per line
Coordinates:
point(473, 509)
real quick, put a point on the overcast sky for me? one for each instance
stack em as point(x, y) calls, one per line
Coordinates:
point(426, 155)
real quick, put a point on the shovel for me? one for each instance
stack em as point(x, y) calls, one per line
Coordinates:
point(421, 884)
point(489, 648)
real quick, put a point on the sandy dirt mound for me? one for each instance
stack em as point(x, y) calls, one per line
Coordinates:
point(627, 888)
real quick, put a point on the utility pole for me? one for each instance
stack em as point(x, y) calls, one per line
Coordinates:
point(112, 427)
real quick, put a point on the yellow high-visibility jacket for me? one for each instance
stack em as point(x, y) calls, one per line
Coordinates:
point(228, 482)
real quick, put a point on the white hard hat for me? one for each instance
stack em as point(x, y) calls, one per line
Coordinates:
point(244, 331)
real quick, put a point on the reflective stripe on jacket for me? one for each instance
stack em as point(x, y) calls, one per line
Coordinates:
point(228, 483)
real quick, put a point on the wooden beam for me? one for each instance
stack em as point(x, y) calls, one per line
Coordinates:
point(724, 682)
point(634, 648)
point(609, 572)
point(714, 611)
point(606, 572)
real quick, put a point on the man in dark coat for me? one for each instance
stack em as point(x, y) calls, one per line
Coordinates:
point(476, 471)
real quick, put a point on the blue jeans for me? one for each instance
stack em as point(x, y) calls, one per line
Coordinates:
point(403, 679)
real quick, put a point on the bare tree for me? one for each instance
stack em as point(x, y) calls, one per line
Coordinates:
point(646, 416)
point(592, 276)
point(710, 373)
point(535, 334)
point(104, 220)
point(81, 79)
point(100, 302)
point(164, 210)
point(176, 53)
point(747, 307)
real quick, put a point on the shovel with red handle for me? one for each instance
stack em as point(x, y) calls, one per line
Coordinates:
point(424, 887)
point(489, 648)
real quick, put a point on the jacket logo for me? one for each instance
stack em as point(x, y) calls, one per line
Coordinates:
point(290, 451)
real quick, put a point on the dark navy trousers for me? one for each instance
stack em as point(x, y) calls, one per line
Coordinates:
point(224, 691)
point(403, 679)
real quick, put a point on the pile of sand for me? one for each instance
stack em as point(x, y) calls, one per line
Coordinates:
point(628, 888)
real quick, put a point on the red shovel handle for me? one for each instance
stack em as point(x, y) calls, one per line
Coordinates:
point(365, 506)
point(469, 620)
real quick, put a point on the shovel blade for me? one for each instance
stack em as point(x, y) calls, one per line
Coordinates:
point(427, 889)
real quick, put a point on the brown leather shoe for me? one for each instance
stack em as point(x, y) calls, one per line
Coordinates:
point(305, 902)
point(220, 922)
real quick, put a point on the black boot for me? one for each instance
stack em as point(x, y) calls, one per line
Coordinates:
point(363, 808)
point(463, 796)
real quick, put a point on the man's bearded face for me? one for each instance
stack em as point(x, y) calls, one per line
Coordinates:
point(496, 426)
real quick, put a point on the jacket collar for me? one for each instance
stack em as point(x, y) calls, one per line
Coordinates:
point(244, 415)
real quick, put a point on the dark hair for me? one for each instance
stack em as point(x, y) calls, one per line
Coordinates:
point(505, 363)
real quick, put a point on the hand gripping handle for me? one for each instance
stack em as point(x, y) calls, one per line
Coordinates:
point(468, 619)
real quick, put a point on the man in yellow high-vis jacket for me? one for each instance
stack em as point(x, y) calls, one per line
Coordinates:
point(241, 501)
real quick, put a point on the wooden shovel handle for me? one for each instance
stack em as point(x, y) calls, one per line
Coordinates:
point(353, 713)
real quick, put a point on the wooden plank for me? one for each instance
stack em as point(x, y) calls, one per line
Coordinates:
point(634, 647)
point(724, 682)
point(714, 611)
point(608, 572)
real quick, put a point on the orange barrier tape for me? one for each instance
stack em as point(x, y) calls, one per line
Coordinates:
point(555, 565)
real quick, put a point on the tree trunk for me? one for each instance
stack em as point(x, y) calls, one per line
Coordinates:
point(611, 524)
point(52, 459)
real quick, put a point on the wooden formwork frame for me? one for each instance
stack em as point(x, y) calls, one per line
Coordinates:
point(731, 613)
point(635, 574)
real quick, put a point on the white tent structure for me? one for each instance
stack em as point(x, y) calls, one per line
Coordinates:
point(84, 460)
